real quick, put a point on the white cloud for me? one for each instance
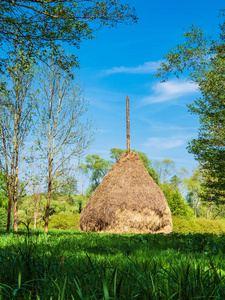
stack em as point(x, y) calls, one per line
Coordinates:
point(146, 68)
point(169, 90)
point(166, 143)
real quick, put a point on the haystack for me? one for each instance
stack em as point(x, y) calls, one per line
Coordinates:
point(127, 200)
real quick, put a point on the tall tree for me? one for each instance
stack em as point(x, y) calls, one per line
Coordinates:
point(204, 58)
point(64, 133)
point(66, 185)
point(115, 153)
point(15, 124)
point(164, 169)
point(41, 24)
point(176, 202)
point(193, 185)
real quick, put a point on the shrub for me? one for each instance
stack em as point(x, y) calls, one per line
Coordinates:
point(199, 225)
point(64, 221)
point(177, 204)
point(3, 217)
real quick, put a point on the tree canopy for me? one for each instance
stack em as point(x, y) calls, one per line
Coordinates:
point(204, 58)
point(98, 167)
point(38, 25)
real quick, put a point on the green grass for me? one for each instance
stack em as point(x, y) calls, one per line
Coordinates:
point(74, 265)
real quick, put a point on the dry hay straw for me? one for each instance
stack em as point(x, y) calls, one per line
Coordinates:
point(127, 200)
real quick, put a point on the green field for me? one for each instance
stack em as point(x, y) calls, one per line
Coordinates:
point(74, 265)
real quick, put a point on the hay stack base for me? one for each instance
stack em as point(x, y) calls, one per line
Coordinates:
point(127, 200)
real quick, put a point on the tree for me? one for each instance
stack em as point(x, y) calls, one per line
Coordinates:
point(66, 184)
point(178, 179)
point(175, 181)
point(64, 134)
point(15, 124)
point(164, 169)
point(115, 153)
point(31, 208)
point(177, 204)
point(204, 58)
point(38, 24)
point(193, 185)
point(3, 200)
point(98, 167)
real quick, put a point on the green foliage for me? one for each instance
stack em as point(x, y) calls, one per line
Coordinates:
point(115, 153)
point(175, 182)
point(30, 205)
point(194, 188)
point(208, 148)
point(198, 225)
point(63, 210)
point(164, 169)
point(205, 60)
point(3, 201)
point(65, 184)
point(37, 25)
point(64, 221)
point(3, 191)
point(3, 217)
point(77, 202)
point(98, 167)
point(177, 204)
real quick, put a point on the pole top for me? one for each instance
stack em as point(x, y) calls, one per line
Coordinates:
point(128, 126)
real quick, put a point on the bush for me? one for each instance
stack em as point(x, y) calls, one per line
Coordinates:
point(199, 225)
point(64, 221)
point(3, 217)
point(177, 204)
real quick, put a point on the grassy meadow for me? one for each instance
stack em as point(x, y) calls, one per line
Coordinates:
point(73, 265)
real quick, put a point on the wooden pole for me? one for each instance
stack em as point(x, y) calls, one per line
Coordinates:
point(128, 127)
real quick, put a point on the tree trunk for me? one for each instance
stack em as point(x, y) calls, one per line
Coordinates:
point(195, 211)
point(35, 219)
point(208, 211)
point(211, 210)
point(10, 191)
point(9, 210)
point(48, 206)
point(15, 226)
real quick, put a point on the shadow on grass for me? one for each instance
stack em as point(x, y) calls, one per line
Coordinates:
point(73, 241)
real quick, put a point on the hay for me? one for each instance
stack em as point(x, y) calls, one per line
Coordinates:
point(127, 200)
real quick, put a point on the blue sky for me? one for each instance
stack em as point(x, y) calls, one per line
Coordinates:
point(121, 62)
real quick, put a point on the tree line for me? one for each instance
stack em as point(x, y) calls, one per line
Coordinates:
point(184, 192)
